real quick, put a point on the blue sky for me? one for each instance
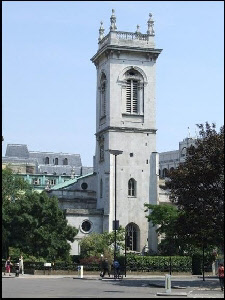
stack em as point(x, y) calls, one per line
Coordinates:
point(49, 82)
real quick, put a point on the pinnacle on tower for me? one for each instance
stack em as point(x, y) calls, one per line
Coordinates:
point(150, 30)
point(101, 32)
point(113, 21)
point(138, 29)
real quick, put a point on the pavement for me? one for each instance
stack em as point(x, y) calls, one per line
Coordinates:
point(191, 286)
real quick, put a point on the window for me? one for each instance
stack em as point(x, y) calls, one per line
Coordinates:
point(52, 181)
point(47, 160)
point(36, 181)
point(132, 96)
point(86, 226)
point(165, 172)
point(101, 148)
point(101, 188)
point(84, 186)
point(132, 82)
point(132, 187)
point(65, 161)
point(131, 237)
point(183, 152)
point(103, 95)
point(56, 161)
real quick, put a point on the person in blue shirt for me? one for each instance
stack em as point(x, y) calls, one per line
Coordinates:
point(116, 266)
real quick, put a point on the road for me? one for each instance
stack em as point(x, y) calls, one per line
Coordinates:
point(74, 287)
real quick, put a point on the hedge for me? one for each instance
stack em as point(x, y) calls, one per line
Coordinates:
point(159, 263)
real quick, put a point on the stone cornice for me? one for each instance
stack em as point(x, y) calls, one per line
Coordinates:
point(108, 48)
point(81, 212)
point(125, 129)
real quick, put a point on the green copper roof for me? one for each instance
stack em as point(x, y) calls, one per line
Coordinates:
point(68, 182)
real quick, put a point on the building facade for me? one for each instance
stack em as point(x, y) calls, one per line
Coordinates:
point(170, 160)
point(43, 169)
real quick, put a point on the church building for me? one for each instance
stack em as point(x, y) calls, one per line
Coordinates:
point(125, 174)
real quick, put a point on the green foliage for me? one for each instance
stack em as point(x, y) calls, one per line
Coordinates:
point(197, 188)
point(164, 216)
point(34, 223)
point(159, 263)
point(96, 244)
point(197, 191)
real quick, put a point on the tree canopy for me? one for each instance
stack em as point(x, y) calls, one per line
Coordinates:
point(197, 191)
point(33, 222)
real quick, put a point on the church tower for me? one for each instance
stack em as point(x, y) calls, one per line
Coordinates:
point(125, 121)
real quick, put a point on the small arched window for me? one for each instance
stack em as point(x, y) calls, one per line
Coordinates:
point(183, 152)
point(101, 188)
point(132, 187)
point(47, 160)
point(65, 161)
point(56, 161)
point(165, 172)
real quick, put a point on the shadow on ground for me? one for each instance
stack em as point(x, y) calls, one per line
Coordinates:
point(175, 284)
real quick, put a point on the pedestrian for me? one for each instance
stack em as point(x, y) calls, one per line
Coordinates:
point(116, 266)
point(21, 264)
point(8, 265)
point(105, 266)
point(221, 275)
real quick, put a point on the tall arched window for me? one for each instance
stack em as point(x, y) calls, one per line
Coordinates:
point(132, 231)
point(132, 187)
point(132, 96)
point(56, 161)
point(133, 82)
point(47, 160)
point(103, 95)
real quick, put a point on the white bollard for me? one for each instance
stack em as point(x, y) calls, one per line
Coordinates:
point(214, 268)
point(80, 271)
point(168, 283)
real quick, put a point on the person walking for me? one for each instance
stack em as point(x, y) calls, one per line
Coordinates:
point(221, 276)
point(116, 266)
point(8, 265)
point(105, 265)
point(21, 264)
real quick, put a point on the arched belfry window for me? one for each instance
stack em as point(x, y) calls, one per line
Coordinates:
point(132, 237)
point(132, 187)
point(133, 81)
point(103, 95)
point(132, 96)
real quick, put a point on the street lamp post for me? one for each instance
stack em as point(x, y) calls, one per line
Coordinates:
point(115, 153)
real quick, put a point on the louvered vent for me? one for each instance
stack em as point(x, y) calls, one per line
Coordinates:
point(128, 97)
point(135, 97)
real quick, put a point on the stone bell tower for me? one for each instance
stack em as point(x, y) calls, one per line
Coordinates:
point(125, 120)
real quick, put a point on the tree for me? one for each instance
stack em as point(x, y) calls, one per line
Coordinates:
point(164, 217)
point(33, 222)
point(13, 188)
point(197, 189)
